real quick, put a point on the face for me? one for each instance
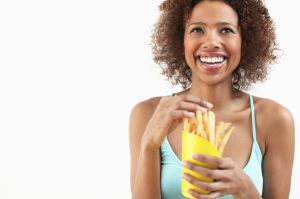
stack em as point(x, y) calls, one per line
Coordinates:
point(212, 42)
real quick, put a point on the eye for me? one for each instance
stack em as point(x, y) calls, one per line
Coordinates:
point(197, 30)
point(227, 30)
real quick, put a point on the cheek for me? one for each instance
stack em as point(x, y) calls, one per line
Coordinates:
point(235, 49)
point(188, 47)
point(235, 46)
point(190, 44)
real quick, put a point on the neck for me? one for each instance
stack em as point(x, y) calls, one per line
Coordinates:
point(220, 95)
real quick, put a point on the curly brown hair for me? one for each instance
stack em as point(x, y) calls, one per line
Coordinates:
point(259, 44)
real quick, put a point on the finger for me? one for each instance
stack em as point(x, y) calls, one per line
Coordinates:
point(221, 163)
point(197, 195)
point(179, 114)
point(216, 174)
point(206, 172)
point(193, 107)
point(220, 175)
point(208, 186)
point(198, 100)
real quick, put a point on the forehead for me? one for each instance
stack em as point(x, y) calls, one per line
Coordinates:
point(213, 12)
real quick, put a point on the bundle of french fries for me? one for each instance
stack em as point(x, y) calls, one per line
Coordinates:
point(203, 124)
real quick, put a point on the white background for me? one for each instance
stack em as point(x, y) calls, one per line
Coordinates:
point(70, 72)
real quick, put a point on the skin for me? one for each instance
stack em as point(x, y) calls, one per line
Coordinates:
point(153, 119)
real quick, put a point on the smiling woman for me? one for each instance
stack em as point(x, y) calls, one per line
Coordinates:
point(257, 30)
point(212, 41)
point(216, 50)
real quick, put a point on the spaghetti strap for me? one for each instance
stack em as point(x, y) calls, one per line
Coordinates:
point(253, 119)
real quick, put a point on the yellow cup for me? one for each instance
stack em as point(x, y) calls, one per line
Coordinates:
point(192, 144)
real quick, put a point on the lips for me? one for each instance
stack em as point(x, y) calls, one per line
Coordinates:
point(211, 62)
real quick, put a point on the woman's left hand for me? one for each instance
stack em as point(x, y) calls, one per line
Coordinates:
point(228, 177)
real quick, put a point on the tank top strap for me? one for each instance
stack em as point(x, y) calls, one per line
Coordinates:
point(253, 119)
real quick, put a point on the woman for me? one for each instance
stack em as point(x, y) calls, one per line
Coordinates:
point(214, 49)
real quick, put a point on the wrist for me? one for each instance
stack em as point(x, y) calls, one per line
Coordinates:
point(147, 145)
point(151, 141)
point(248, 190)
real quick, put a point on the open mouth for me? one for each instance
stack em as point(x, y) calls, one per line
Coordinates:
point(212, 63)
point(212, 60)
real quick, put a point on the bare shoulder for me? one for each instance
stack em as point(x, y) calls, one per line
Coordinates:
point(272, 111)
point(145, 108)
point(141, 114)
point(273, 119)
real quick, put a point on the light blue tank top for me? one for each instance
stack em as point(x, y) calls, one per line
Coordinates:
point(171, 167)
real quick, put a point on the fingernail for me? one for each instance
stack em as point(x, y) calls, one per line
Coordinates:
point(203, 110)
point(195, 156)
point(191, 114)
point(184, 163)
point(185, 176)
point(209, 105)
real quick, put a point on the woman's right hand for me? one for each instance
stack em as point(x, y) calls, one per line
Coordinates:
point(170, 110)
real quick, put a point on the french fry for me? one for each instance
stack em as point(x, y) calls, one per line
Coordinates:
point(200, 130)
point(186, 124)
point(203, 124)
point(226, 126)
point(211, 127)
point(199, 120)
point(220, 132)
point(193, 125)
point(204, 135)
point(225, 139)
point(218, 129)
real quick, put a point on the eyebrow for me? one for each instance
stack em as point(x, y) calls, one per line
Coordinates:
point(219, 23)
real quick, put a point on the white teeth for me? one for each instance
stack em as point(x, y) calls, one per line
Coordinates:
point(212, 59)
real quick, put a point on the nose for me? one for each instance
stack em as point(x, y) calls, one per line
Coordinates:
point(211, 41)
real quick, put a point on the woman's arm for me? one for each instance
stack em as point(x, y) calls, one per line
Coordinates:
point(149, 125)
point(145, 160)
point(279, 154)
